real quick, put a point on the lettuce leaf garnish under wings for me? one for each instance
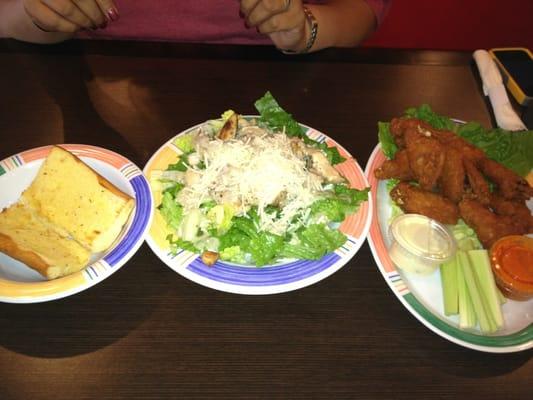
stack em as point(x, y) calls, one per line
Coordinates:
point(386, 140)
point(512, 149)
point(425, 113)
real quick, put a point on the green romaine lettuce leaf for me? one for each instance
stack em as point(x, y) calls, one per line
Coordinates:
point(396, 210)
point(233, 254)
point(277, 119)
point(185, 143)
point(174, 189)
point(386, 140)
point(512, 149)
point(180, 165)
point(208, 204)
point(177, 244)
point(233, 237)
point(221, 217)
point(344, 201)
point(242, 230)
point(314, 242)
point(332, 208)
point(425, 113)
point(332, 153)
point(171, 211)
point(264, 247)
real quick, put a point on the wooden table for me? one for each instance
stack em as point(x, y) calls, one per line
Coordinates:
point(146, 332)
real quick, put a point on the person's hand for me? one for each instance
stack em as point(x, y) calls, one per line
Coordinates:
point(70, 16)
point(283, 21)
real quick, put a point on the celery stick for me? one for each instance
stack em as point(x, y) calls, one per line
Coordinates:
point(450, 295)
point(467, 316)
point(502, 298)
point(467, 244)
point(479, 259)
point(485, 323)
point(471, 316)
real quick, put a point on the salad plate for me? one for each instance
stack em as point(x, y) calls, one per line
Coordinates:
point(422, 295)
point(21, 284)
point(281, 276)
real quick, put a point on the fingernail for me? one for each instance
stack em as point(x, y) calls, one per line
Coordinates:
point(112, 14)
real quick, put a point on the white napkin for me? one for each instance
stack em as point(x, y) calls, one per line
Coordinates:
point(506, 117)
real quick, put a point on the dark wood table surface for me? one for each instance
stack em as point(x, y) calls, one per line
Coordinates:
point(148, 333)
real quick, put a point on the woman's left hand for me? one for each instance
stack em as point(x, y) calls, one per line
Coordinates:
point(283, 20)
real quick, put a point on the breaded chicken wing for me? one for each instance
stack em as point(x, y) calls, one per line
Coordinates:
point(412, 199)
point(488, 226)
point(515, 209)
point(452, 179)
point(510, 185)
point(450, 139)
point(426, 158)
point(478, 183)
point(397, 168)
point(399, 126)
point(396, 129)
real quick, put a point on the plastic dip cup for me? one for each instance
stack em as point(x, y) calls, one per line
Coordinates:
point(419, 244)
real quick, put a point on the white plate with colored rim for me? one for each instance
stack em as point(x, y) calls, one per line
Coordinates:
point(21, 284)
point(422, 295)
point(271, 279)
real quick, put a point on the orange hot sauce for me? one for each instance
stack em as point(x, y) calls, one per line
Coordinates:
point(511, 259)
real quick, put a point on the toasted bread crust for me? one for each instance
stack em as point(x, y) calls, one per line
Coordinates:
point(28, 257)
point(29, 238)
point(112, 188)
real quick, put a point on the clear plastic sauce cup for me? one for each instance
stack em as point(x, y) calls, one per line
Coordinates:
point(419, 244)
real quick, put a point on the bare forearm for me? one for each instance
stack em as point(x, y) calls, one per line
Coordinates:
point(342, 23)
point(15, 23)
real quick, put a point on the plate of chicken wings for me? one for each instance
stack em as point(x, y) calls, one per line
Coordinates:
point(433, 171)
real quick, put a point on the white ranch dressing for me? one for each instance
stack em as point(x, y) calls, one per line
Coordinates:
point(419, 244)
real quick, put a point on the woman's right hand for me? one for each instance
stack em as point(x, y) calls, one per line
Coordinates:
point(70, 16)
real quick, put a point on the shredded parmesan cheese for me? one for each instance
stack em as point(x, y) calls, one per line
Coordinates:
point(257, 168)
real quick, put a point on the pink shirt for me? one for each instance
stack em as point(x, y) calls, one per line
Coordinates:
point(207, 21)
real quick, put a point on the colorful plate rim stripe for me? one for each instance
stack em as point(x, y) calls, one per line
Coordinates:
point(518, 341)
point(291, 275)
point(129, 242)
